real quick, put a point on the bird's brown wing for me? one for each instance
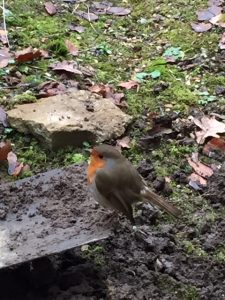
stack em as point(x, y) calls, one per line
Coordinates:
point(120, 185)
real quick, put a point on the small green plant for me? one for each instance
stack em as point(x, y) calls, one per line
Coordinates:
point(220, 254)
point(58, 47)
point(77, 158)
point(26, 97)
point(206, 98)
point(95, 253)
point(104, 48)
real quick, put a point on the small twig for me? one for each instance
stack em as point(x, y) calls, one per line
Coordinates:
point(89, 20)
point(4, 22)
point(75, 8)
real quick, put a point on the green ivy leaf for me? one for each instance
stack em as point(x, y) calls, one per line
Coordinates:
point(155, 74)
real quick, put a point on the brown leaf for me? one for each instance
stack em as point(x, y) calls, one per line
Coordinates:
point(208, 13)
point(129, 84)
point(66, 66)
point(118, 100)
point(196, 181)
point(50, 8)
point(3, 117)
point(5, 148)
point(5, 57)
point(51, 88)
point(210, 128)
point(214, 146)
point(12, 162)
point(18, 169)
point(102, 5)
point(99, 89)
point(3, 37)
point(107, 91)
point(72, 49)
point(87, 16)
point(77, 28)
point(200, 168)
point(218, 20)
point(44, 53)
point(28, 54)
point(201, 27)
point(222, 42)
point(118, 11)
point(124, 142)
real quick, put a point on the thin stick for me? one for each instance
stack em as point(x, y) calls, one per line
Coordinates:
point(4, 22)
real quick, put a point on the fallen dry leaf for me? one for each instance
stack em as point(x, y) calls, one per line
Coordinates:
point(222, 42)
point(3, 117)
point(66, 66)
point(15, 168)
point(124, 142)
point(5, 57)
point(3, 37)
point(18, 169)
point(210, 128)
point(28, 54)
point(44, 53)
point(201, 27)
point(51, 88)
point(12, 162)
point(196, 181)
point(71, 47)
point(5, 148)
point(118, 11)
point(208, 13)
point(107, 91)
point(200, 168)
point(129, 84)
point(218, 20)
point(50, 8)
point(87, 16)
point(155, 134)
point(100, 8)
point(214, 146)
point(77, 28)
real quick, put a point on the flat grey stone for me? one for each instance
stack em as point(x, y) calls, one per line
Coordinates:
point(70, 119)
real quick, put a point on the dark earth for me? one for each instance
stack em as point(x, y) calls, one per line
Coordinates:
point(141, 263)
point(162, 258)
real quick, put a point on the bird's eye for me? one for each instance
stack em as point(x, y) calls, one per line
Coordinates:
point(100, 156)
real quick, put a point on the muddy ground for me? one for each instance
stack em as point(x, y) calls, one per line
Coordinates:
point(146, 263)
point(164, 258)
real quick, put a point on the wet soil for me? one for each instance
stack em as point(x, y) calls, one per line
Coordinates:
point(137, 265)
point(144, 263)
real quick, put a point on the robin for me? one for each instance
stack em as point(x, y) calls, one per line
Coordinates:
point(116, 184)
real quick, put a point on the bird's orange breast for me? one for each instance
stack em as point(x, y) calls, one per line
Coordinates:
point(95, 163)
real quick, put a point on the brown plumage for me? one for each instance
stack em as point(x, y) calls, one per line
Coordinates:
point(116, 184)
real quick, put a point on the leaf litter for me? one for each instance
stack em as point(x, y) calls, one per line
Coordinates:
point(50, 8)
point(124, 143)
point(71, 47)
point(29, 54)
point(212, 15)
point(198, 179)
point(210, 127)
point(107, 91)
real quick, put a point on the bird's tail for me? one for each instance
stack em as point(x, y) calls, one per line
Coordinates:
point(156, 200)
